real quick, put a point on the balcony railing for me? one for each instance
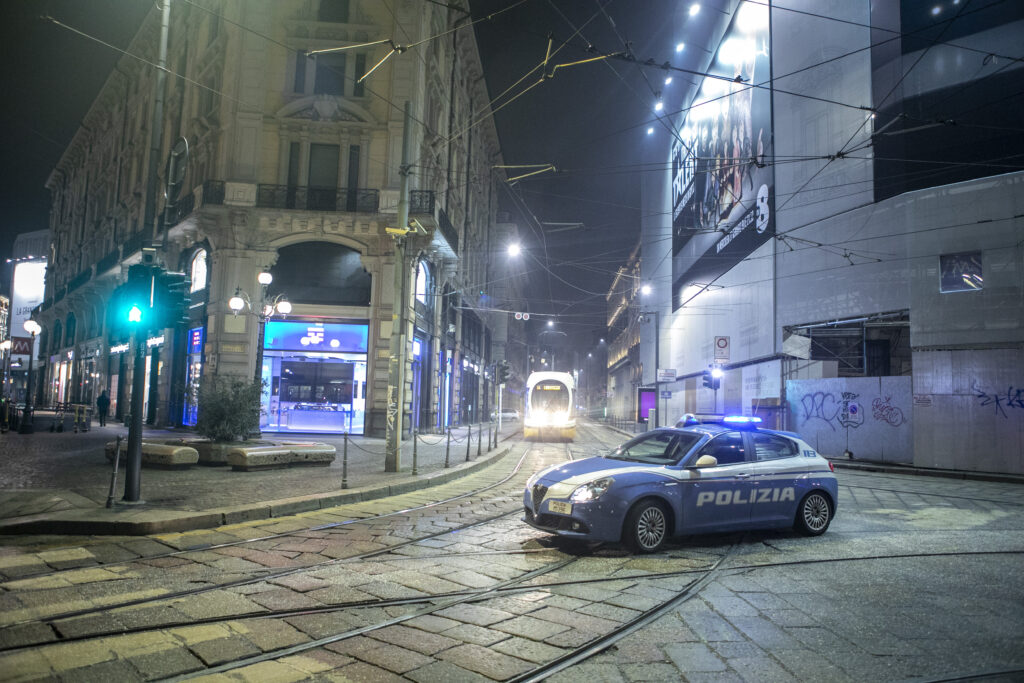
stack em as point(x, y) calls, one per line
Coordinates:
point(448, 230)
point(421, 202)
point(317, 198)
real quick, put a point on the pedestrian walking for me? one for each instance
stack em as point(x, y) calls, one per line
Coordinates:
point(102, 406)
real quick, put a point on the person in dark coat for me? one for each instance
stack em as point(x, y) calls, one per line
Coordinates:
point(102, 406)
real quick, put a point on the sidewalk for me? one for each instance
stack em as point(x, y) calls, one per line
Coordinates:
point(58, 483)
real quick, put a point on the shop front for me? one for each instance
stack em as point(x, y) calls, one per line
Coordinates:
point(314, 376)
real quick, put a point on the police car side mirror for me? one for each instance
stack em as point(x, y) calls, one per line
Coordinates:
point(705, 461)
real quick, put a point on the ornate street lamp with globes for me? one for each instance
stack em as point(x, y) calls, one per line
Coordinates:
point(263, 310)
point(25, 426)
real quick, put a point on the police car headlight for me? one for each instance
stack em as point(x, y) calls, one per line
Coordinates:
point(591, 491)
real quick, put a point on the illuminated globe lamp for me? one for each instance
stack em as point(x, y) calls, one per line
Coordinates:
point(263, 311)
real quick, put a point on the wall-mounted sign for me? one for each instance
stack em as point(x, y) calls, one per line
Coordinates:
point(119, 348)
point(721, 348)
point(310, 336)
point(666, 374)
point(154, 341)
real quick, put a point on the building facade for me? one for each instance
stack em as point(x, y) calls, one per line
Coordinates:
point(846, 202)
point(294, 167)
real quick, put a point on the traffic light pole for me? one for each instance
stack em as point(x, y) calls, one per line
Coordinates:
point(133, 458)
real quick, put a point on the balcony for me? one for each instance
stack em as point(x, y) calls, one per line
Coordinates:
point(317, 198)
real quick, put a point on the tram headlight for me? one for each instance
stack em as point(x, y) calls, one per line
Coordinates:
point(591, 491)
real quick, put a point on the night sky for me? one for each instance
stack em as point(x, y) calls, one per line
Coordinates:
point(589, 121)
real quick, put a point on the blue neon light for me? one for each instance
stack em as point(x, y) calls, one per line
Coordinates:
point(308, 336)
point(741, 419)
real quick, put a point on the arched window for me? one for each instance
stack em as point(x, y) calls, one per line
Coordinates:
point(198, 274)
point(423, 283)
point(320, 273)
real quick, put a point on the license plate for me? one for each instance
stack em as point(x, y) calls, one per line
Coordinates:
point(560, 508)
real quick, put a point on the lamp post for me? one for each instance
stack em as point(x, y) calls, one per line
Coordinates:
point(25, 426)
point(263, 311)
point(657, 356)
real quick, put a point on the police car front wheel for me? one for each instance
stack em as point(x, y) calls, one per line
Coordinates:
point(646, 527)
point(814, 514)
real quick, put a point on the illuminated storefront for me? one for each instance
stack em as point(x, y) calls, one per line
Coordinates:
point(193, 373)
point(315, 377)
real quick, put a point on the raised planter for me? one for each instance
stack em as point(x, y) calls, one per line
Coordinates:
point(172, 454)
point(279, 455)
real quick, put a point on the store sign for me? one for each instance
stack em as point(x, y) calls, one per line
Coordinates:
point(154, 341)
point(325, 337)
point(195, 339)
point(120, 348)
point(26, 293)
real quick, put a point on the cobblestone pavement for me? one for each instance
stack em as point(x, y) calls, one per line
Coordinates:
point(54, 471)
point(916, 578)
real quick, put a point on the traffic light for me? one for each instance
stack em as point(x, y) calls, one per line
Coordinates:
point(503, 372)
point(133, 301)
point(172, 299)
point(713, 378)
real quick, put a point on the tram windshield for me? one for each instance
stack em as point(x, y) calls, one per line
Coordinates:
point(550, 397)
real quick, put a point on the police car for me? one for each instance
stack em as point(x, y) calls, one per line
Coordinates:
point(696, 478)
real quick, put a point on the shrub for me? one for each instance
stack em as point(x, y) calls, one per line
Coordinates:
point(229, 408)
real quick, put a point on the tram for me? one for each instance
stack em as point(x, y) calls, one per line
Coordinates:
point(550, 406)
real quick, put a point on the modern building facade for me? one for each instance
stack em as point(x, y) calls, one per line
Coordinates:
point(846, 202)
point(293, 117)
point(624, 305)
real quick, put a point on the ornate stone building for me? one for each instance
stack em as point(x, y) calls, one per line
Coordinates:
point(294, 168)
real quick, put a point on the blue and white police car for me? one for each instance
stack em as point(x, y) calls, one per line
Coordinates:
point(695, 478)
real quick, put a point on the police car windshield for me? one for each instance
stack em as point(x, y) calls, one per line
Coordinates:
point(656, 448)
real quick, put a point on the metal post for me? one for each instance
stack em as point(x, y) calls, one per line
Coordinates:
point(469, 441)
point(25, 425)
point(492, 441)
point(133, 459)
point(156, 129)
point(344, 463)
point(448, 448)
point(479, 440)
point(415, 439)
point(396, 362)
point(113, 475)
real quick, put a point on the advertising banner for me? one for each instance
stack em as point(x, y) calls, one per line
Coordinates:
point(311, 336)
point(723, 185)
point(26, 294)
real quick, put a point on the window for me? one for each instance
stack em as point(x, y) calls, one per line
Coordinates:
point(358, 89)
point(422, 283)
point(659, 448)
point(960, 272)
point(725, 448)
point(300, 72)
point(333, 11)
point(198, 271)
point(330, 74)
point(771, 447)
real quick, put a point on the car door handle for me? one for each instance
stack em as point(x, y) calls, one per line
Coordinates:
point(742, 475)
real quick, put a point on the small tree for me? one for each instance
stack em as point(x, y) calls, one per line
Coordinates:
point(229, 408)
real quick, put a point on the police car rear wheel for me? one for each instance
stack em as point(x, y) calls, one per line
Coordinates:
point(814, 514)
point(646, 527)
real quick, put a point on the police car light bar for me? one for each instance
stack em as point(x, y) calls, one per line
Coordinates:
point(741, 419)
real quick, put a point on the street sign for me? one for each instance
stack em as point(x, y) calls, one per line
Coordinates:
point(666, 394)
point(522, 316)
point(666, 374)
point(721, 348)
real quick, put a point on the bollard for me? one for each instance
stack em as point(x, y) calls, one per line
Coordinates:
point(448, 448)
point(469, 441)
point(492, 441)
point(415, 440)
point(344, 463)
point(113, 475)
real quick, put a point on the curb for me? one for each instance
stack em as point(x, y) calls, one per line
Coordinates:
point(125, 520)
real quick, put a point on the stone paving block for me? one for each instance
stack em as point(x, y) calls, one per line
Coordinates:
point(690, 657)
point(763, 632)
point(25, 665)
point(284, 599)
point(336, 595)
point(316, 661)
point(66, 656)
point(216, 604)
point(488, 662)
point(432, 623)
point(530, 650)
point(361, 672)
point(144, 616)
point(479, 635)
point(323, 625)
point(445, 672)
point(114, 670)
point(424, 582)
point(594, 671)
point(301, 583)
point(355, 646)
point(474, 614)
point(269, 672)
point(414, 639)
point(166, 663)
point(394, 658)
point(192, 635)
point(821, 639)
point(132, 644)
point(214, 652)
point(529, 627)
point(390, 591)
point(611, 612)
point(587, 592)
point(269, 634)
point(808, 665)
point(730, 605)
point(636, 648)
point(761, 669)
point(789, 617)
point(26, 634)
point(571, 638)
point(728, 649)
point(709, 626)
point(574, 619)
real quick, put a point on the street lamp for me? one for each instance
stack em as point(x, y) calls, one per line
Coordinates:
point(263, 311)
point(26, 426)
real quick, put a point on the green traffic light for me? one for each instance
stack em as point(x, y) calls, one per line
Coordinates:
point(135, 314)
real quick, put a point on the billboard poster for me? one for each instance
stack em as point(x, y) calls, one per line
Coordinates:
point(26, 293)
point(722, 183)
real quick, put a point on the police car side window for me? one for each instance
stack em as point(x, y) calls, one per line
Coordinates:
point(771, 447)
point(726, 448)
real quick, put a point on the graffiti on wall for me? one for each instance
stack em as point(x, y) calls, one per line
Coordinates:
point(835, 411)
point(1012, 399)
point(884, 411)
